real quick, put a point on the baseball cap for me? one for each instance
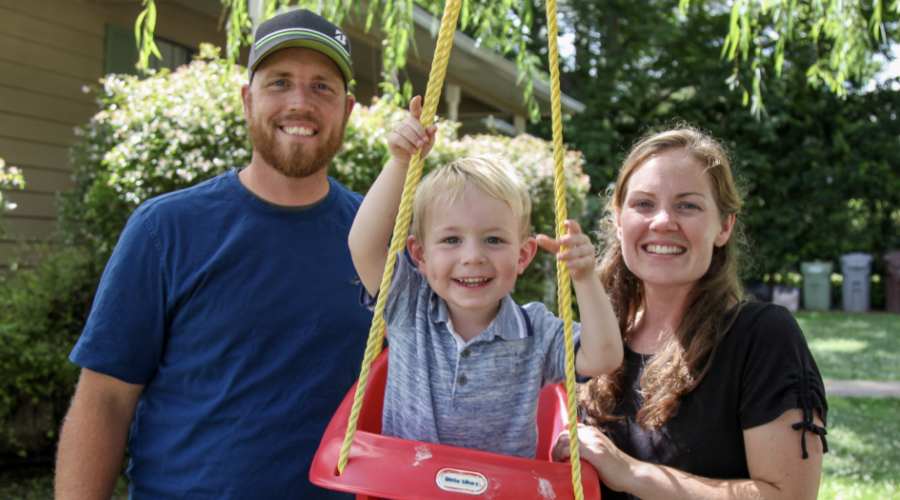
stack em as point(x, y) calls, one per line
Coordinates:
point(301, 28)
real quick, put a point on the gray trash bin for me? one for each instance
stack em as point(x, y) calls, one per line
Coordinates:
point(857, 271)
point(816, 285)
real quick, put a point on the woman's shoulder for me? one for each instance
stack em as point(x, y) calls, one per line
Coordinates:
point(763, 324)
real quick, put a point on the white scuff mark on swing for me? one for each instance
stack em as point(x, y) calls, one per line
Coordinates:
point(422, 453)
point(495, 486)
point(545, 488)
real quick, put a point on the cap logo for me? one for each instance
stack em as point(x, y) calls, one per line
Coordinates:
point(301, 31)
point(339, 36)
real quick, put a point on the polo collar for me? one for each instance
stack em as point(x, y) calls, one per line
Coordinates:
point(509, 314)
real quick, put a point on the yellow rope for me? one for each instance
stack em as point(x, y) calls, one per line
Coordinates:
point(401, 227)
point(562, 271)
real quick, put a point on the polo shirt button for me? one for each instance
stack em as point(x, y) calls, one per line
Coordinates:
point(465, 353)
point(462, 380)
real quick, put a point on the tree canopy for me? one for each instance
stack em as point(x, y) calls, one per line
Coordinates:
point(821, 171)
point(842, 34)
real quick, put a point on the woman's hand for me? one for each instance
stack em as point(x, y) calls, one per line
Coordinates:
point(776, 468)
point(614, 467)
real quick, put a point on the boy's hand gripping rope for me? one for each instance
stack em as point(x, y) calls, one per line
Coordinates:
point(401, 228)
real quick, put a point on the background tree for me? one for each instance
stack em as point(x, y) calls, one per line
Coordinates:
point(821, 170)
point(843, 33)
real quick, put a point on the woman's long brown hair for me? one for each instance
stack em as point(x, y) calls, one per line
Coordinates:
point(687, 357)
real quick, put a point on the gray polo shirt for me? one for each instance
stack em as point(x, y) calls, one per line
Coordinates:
point(481, 394)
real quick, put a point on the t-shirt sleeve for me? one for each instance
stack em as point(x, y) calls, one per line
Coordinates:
point(549, 330)
point(125, 332)
point(403, 293)
point(779, 371)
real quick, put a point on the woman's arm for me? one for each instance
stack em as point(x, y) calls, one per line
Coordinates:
point(774, 459)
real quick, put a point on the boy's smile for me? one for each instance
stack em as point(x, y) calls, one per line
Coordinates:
point(471, 255)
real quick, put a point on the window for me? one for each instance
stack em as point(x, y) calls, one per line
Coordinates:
point(122, 53)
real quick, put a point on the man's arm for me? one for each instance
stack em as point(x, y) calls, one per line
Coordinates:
point(371, 231)
point(94, 435)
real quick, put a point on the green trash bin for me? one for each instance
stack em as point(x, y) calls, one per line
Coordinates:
point(816, 285)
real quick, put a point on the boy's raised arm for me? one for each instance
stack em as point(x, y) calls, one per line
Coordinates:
point(370, 234)
point(601, 343)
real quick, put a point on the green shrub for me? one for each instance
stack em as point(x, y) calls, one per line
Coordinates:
point(44, 310)
point(152, 136)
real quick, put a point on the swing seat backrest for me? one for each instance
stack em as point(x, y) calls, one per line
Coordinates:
point(387, 467)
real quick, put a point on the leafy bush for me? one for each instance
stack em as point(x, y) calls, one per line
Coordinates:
point(44, 310)
point(174, 130)
point(152, 136)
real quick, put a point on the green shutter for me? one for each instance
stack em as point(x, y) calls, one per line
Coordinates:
point(121, 50)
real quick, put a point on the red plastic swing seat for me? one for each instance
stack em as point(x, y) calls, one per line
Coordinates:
point(387, 467)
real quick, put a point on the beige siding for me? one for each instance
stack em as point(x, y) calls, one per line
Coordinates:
point(67, 39)
point(43, 82)
point(50, 51)
point(30, 104)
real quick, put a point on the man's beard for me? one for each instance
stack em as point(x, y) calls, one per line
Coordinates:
point(295, 162)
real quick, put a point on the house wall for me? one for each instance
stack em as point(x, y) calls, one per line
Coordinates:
point(50, 50)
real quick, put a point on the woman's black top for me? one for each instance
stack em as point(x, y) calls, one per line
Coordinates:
point(762, 368)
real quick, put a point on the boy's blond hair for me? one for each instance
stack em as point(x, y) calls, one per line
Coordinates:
point(492, 173)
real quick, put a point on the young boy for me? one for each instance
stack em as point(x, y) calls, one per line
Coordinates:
point(466, 363)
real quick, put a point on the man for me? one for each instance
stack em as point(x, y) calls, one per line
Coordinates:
point(226, 329)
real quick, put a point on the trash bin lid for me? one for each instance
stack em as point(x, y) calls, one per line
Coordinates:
point(856, 261)
point(815, 267)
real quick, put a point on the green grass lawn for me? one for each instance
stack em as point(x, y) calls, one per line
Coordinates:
point(854, 346)
point(863, 460)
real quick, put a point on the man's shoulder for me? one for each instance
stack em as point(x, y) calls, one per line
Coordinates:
point(188, 199)
point(345, 195)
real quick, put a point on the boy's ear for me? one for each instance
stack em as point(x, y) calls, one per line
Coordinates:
point(526, 253)
point(417, 252)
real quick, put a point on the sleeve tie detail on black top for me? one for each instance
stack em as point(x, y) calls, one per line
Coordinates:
point(808, 425)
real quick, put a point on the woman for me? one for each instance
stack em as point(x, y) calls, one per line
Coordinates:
point(716, 394)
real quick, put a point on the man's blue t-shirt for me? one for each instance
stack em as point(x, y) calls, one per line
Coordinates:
point(242, 322)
